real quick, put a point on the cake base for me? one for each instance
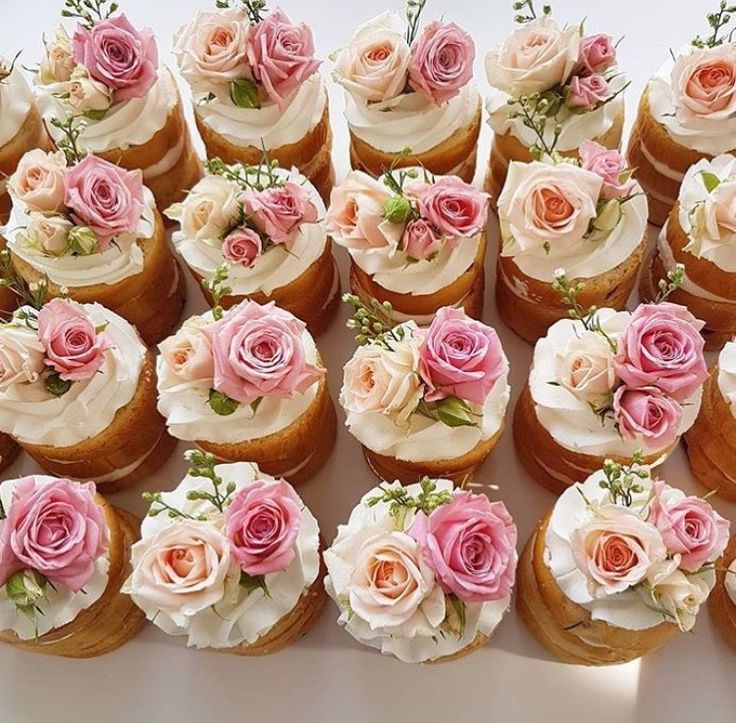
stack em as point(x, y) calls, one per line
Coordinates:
point(721, 607)
point(9, 451)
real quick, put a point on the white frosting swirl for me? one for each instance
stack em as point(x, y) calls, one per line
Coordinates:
point(727, 374)
point(242, 616)
point(33, 416)
point(16, 100)
point(60, 605)
point(627, 609)
point(364, 522)
point(571, 421)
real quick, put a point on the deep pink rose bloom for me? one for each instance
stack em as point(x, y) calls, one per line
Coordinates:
point(56, 529)
point(597, 54)
point(587, 92)
point(104, 197)
point(420, 240)
point(460, 357)
point(610, 165)
point(441, 62)
point(648, 413)
point(279, 212)
point(73, 347)
point(242, 246)
point(662, 347)
point(470, 544)
point(690, 527)
point(118, 56)
point(455, 208)
point(259, 352)
point(281, 55)
point(262, 524)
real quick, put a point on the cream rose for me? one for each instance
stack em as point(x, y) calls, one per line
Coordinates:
point(86, 94)
point(186, 356)
point(57, 64)
point(586, 368)
point(715, 218)
point(209, 211)
point(21, 356)
point(48, 234)
point(534, 58)
point(38, 181)
point(681, 596)
point(704, 84)
point(375, 64)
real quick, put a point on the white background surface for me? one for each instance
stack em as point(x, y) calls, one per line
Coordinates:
point(326, 676)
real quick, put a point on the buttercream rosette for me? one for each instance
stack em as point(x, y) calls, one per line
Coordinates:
point(230, 559)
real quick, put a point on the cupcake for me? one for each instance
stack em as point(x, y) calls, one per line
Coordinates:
point(619, 566)
point(254, 79)
point(415, 240)
point(107, 77)
point(700, 234)
point(722, 601)
point(21, 127)
point(65, 553)
point(423, 573)
point(686, 114)
point(262, 226)
point(585, 216)
point(425, 402)
point(711, 442)
point(78, 393)
point(252, 582)
point(551, 88)
point(410, 99)
point(248, 384)
point(607, 383)
point(91, 230)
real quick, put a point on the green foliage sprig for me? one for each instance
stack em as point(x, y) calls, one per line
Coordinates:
point(71, 129)
point(400, 501)
point(717, 21)
point(414, 9)
point(88, 12)
point(623, 481)
point(373, 322)
point(526, 11)
point(668, 286)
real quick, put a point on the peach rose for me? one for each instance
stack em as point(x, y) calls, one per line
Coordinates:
point(87, 94)
point(704, 83)
point(57, 64)
point(186, 356)
point(715, 218)
point(49, 234)
point(681, 596)
point(38, 181)
point(21, 356)
point(586, 368)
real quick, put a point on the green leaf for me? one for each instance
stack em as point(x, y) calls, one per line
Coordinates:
point(222, 404)
point(95, 115)
point(710, 181)
point(56, 385)
point(255, 404)
point(244, 93)
point(454, 412)
point(253, 582)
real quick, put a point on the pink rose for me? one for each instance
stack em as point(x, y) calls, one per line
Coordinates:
point(38, 181)
point(441, 61)
point(242, 246)
point(454, 207)
point(460, 357)
point(118, 55)
point(420, 240)
point(104, 197)
point(470, 543)
point(662, 347)
point(597, 53)
point(56, 529)
point(587, 92)
point(648, 413)
point(262, 524)
point(259, 352)
point(281, 55)
point(689, 527)
point(73, 347)
point(278, 212)
point(704, 83)
point(611, 166)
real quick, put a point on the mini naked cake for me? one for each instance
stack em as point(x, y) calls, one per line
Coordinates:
point(621, 565)
point(254, 79)
point(551, 87)
point(230, 559)
point(425, 401)
point(711, 442)
point(585, 216)
point(90, 230)
point(687, 113)
point(415, 240)
point(700, 235)
point(722, 601)
point(261, 227)
point(410, 99)
point(423, 573)
point(104, 80)
point(21, 126)
point(607, 383)
point(248, 384)
point(65, 552)
point(78, 393)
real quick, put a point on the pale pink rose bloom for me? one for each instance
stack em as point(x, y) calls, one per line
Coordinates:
point(259, 352)
point(242, 246)
point(587, 92)
point(22, 356)
point(460, 357)
point(281, 55)
point(455, 208)
point(86, 94)
point(718, 213)
point(586, 369)
point(73, 347)
point(51, 233)
point(662, 347)
point(38, 181)
point(647, 413)
point(610, 165)
point(420, 240)
point(681, 596)
point(210, 209)
point(186, 357)
point(118, 55)
point(57, 64)
point(470, 543)
point(704, 83)
point(441, 61)
point(597, 53)
point(262, 523)
point(689, 526)
point(55, 529)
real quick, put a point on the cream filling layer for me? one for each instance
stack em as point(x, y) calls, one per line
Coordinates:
point(727, 374)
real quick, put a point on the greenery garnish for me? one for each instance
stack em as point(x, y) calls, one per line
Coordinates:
point(717, 22)
point(88, 12)
point(624, 481)
point(526, 12)
point(373, 322)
